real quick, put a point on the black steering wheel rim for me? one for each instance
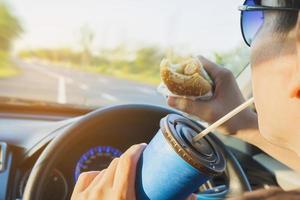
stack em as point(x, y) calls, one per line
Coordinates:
point(54, 150)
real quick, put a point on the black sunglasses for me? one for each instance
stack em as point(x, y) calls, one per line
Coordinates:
point(252, 18)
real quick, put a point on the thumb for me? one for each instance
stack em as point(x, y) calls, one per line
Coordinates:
point(192, 197)
point(211, 68)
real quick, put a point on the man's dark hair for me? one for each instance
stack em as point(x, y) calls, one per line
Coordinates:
point(286, 20)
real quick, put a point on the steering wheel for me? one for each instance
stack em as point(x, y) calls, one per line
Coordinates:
point(140, 119)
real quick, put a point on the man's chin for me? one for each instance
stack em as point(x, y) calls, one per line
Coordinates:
point(276, 139)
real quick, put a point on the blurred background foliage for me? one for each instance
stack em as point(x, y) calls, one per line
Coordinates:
point(141, 64)
point(10, 29)
point(235, 60)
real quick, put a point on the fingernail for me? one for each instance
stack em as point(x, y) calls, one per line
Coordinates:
point(139, 147)
point(172, 101)
point(143, 145)
point(180, 104)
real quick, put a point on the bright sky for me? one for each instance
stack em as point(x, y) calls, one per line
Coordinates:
point(190, 26)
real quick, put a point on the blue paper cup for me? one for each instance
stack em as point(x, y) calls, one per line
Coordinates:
point(172, 166)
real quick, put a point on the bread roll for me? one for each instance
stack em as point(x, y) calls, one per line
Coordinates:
point(186, 79)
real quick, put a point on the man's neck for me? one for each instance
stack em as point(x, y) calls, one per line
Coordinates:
point(290, 157)
point(294, 144)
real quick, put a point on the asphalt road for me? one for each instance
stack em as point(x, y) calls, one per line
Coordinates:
point(41, 81)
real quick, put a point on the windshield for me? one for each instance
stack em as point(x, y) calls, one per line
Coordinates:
point(99, 52)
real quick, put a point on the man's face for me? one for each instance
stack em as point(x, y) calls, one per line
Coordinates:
point(274, 61)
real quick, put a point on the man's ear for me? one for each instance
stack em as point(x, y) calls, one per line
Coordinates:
point(294, 87)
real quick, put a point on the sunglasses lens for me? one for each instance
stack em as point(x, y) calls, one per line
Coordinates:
point(251, 22)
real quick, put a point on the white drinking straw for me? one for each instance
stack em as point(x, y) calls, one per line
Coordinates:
point(223, 119)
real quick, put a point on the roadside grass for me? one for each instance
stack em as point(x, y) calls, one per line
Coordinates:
point(144, 77)
point(7, 68)
point(8, 71)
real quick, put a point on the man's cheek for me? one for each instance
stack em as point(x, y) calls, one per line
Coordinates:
point(259, 95)
point(269, 90)
point(265, 91)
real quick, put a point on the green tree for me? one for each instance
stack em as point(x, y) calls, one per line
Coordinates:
point(10, 27)
point(86, 40)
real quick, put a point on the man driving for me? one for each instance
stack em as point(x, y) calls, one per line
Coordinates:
point(272, 29)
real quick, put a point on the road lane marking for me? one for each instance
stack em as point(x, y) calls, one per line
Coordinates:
point(61, 97)
point(69, 80)
point(83, 86)
point(61, 85)
point(108, 97)
point(103, 80)
point(146, 90)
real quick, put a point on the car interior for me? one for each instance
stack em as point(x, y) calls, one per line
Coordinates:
point(28, 127)
point(45, 143)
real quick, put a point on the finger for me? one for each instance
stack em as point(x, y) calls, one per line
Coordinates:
point(126, 170)
point(192, 197)
point(188, 105)
point(178, 103)
point(210, 67)
point(108, 177)
point(84, 181)
point(262, 193)
point(97, 179)
point(219, 74)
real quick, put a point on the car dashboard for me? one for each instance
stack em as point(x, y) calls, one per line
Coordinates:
point(23, 137)
point(24, 142)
